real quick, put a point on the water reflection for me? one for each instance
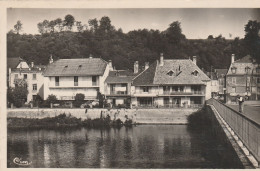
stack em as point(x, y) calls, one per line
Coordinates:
point(144, 146)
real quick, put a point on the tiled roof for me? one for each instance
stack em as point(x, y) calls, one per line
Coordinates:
point(13, 62)
point(76, 67)
point(240, 66)
point(222, 71)
point(177, 71)
point(182, 69)
point(245, 59)
point(120, 76)
point(147, 76)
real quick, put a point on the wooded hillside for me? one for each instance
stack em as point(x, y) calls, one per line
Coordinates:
point(101, 39)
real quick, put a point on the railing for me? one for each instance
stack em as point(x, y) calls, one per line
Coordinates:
point(182, 92)
point(118, 92)
point(246, 129)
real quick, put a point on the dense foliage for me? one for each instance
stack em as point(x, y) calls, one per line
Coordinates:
point(79, 99)
point(69, 38)
point(17, 95)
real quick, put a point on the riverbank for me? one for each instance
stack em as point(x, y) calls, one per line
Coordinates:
point(138, 116)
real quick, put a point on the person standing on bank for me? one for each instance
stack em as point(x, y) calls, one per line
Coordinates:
point(241, 104)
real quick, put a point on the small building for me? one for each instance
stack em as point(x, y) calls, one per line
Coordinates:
point(65, 78)
point(118, 87)
point(20, 72)
point(243, 79)
point(217, 77)
point(171, 83)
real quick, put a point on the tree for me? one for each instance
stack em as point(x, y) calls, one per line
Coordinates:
point(93, 23)
point(101, 99)
point(210, 37)
point(17, 95)
point(51, 99)
point(18, 27)
point(80, 27)
point(59, 24)
point(79, 99)
point(174, 33)
point(105, 24)
point(69, 21)
point(252, 39)
point(52, 25)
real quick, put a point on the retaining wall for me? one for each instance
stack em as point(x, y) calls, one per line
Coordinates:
point(140, 116)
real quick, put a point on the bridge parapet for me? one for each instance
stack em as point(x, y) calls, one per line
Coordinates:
point(246, 129)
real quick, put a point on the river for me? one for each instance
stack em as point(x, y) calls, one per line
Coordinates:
point(141, 146)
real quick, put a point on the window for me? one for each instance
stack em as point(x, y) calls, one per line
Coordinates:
point(233, 89)
point(94, 81)
point(170, 73)
point(16, 76)
point(34, 76)
point(233, 80)
point(57, 81)
point(145, 89)
point(247, 70)
point(257, 70)
point(258, 80)
point(25, 76)
point(34, 86)
point(76, 81)
point(195, 73)
point(233, 70)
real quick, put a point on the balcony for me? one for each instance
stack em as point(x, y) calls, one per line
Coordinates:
point(118, 93)
point(181, 93)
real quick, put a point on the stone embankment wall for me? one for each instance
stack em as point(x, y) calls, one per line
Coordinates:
point(140, 116)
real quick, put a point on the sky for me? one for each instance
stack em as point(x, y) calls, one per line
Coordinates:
point(196, 23)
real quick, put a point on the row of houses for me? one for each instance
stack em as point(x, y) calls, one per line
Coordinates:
point(164, 83)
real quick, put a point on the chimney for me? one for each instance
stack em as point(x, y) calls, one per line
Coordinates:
point(110, 65)
point(161, 59)
point(146, 66)
point(136, 67)
point(194, 59)
point(90, 56)
point(32, 64)
point(232, 58)
point(51, 59)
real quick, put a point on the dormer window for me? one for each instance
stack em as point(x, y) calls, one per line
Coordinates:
point(247, 70)
point(170, 73)
point(233, 70)
point(66, 66)
point(195, 73)
point(80, 65)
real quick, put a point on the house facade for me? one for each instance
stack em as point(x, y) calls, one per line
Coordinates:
point(171, 83)
point(243, 79)
point(65, 78)
point(30, 75)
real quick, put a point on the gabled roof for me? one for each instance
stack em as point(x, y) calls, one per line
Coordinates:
point(120, 76)
point(76, 67)
point(245, 59)
point(147, 76)
point(184, 69)
point(13, 62)
point(241, 64)
point(157, 75)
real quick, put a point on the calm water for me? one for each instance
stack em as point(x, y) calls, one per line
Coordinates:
point(143, 146)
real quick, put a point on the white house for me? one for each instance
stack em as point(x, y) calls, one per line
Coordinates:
point(67, 77)
point(19, 71)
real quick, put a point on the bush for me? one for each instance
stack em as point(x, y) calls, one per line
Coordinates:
point(79, 100)
point(17, 95)
point(51, 99)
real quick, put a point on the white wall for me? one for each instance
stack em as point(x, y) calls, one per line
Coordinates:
point(208, 90)
point(30, 81)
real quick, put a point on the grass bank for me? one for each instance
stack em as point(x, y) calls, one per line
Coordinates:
point(64, 120)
